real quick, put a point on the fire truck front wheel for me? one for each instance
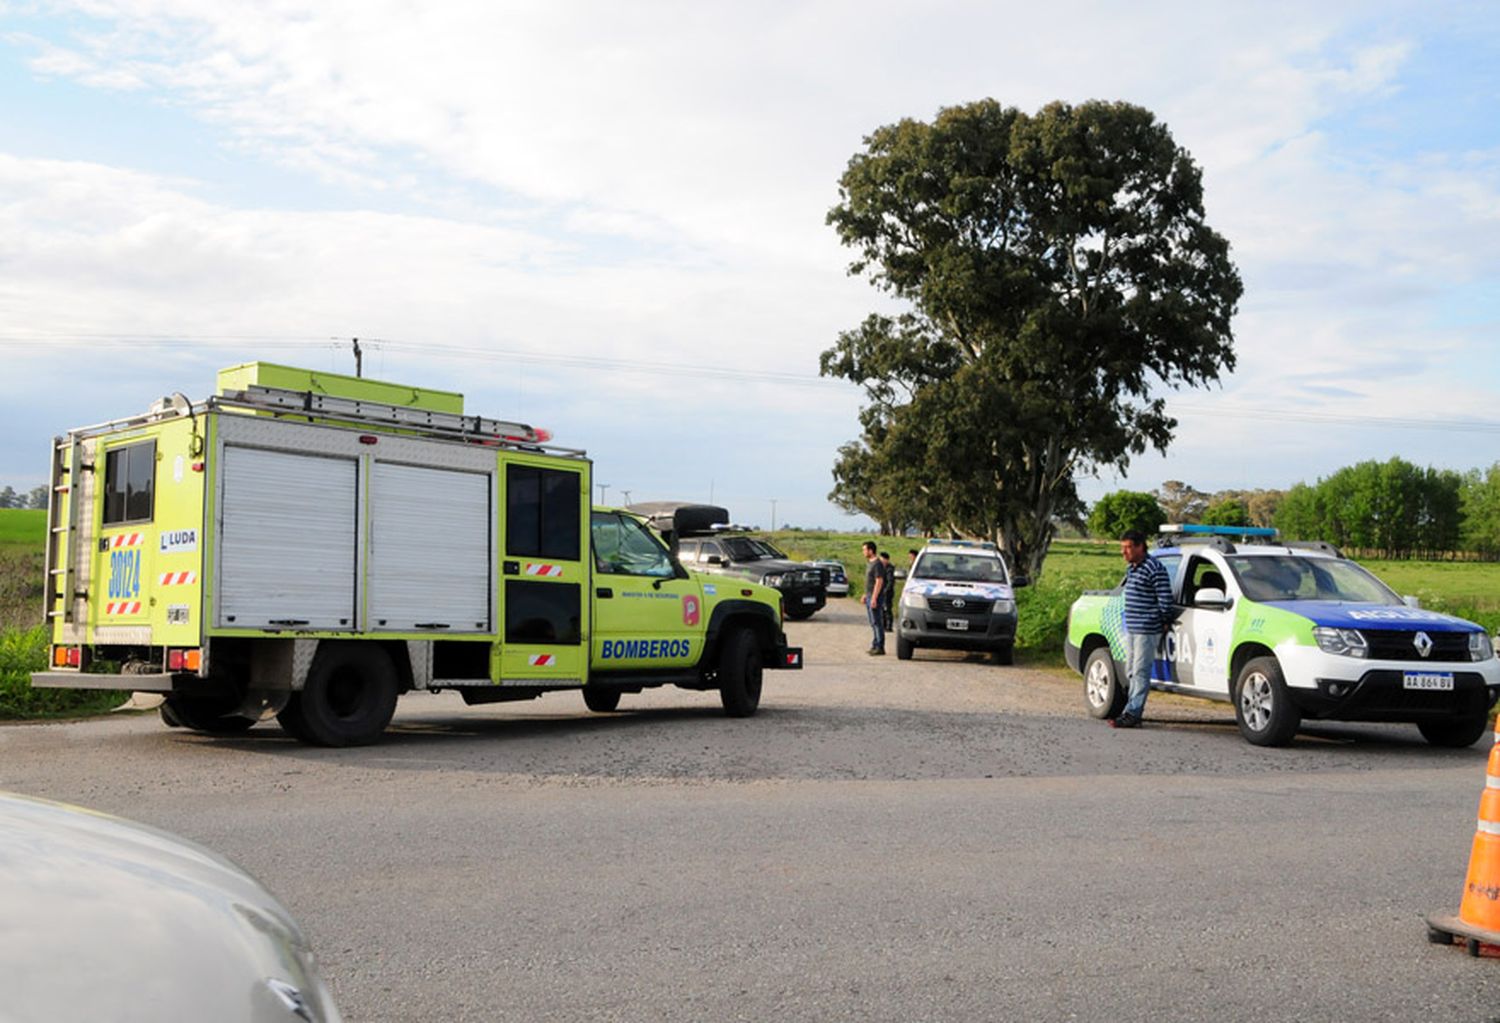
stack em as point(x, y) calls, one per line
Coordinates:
point(740, 667)
point(349, 696)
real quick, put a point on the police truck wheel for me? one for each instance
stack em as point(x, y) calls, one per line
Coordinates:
point(1101, 685)
point(1004, 654)
point(601, 699)
point(1261, 704)
point(904, 648)
point(797, 614)
point(349, 697)
point(740, 674)
point(1455, 732)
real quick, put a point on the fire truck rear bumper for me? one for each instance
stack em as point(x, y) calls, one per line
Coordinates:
point(161, 683)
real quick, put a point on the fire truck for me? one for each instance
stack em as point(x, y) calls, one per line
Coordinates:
point(310, 545)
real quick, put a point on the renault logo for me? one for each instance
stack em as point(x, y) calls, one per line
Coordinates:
point(1423, 643)
point(958, 602)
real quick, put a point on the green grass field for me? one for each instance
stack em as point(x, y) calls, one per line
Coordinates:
point(22, 526)
point(23, 536)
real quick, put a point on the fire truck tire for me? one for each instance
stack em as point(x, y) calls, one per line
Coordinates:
point(202, 715)
point(349, 696)
point(290, 718)
point(740, 668)
point(601, 699)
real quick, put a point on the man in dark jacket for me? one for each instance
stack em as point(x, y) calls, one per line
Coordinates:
point(887, 590)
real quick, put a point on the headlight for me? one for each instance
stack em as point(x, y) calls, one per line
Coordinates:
point(909, 599)
point(1481, 647)
point(772, 580)
point(1344, 642)
point(1005, 607)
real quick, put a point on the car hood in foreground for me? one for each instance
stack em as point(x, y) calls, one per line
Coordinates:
point(106, 919)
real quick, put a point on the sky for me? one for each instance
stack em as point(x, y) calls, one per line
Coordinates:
point(608, 220)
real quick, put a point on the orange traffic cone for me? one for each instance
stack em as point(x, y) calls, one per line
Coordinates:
point(1478, 920)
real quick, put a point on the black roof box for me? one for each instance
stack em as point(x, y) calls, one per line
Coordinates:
point(682, 518)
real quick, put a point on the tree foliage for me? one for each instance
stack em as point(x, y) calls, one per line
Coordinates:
point(1395, 508)
point(1057, 269)
point(1231, 511)
point(1480, 502)
point(1116, 513)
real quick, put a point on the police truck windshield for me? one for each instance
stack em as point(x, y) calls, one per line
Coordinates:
point(964, 567)
point(1285, 577)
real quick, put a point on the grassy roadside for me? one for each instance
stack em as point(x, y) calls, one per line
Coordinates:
point(23, 639)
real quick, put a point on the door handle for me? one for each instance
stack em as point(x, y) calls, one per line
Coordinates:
point(604, 591)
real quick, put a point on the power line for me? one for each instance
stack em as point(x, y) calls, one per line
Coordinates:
point(664, 368)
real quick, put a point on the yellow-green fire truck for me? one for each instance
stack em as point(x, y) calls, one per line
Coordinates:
point(312, 545)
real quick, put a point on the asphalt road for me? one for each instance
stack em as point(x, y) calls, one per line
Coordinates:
point(937, 839)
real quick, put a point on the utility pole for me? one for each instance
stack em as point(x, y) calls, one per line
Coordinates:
point(626, 493)
point(359, 361)
point(602, 488)
point(773, 514)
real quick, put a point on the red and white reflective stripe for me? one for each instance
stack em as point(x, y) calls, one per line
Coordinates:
point(536, 568)
point(127, 540)
point(178, 578)
point(542, 660)
point(123, 607)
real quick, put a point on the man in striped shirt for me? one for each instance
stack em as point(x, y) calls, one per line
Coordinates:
point(1148, 612)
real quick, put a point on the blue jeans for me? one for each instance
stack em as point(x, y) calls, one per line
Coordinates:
point(877, 625)
point(1140, 652)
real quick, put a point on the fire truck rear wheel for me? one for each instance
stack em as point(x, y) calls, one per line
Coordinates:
point(349, 696)
point(202, 715)
point(290, 718)
point(740, 668)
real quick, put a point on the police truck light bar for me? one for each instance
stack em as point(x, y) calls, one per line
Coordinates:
point(1193, 529)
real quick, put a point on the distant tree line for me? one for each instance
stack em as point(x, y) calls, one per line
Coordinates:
point(36, 498)
point(1392, 509)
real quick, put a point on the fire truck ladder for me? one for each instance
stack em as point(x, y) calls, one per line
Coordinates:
point(444, 425)
point(66, 452)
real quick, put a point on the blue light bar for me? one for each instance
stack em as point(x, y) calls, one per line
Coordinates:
point(1197, 530)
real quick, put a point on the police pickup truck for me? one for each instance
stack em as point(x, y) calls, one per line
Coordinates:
point(958, 596)
point(1287, 631)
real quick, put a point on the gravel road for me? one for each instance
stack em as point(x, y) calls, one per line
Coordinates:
point(939, 839)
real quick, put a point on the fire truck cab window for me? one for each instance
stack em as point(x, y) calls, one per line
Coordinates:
point(542, 513)
point(129, 483)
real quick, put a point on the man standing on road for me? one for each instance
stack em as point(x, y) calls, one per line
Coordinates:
point(874, 586)
point(1148, 612)
point(887, 591)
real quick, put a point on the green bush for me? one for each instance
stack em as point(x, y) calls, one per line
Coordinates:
point(25, 651)
point(1043, 607)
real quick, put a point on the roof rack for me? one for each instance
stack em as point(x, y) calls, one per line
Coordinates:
point(358, 412)
point(1321, 546)
point(1218, 543)
point(984, 545)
